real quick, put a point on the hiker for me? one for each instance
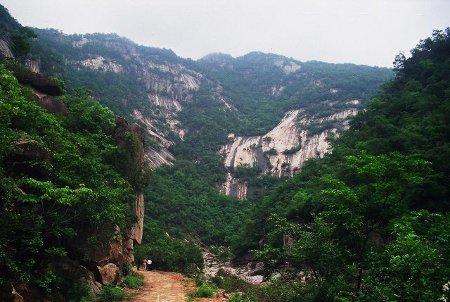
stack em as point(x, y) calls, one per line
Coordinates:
point(144, 264)
point(149, 263)
point(138, 263)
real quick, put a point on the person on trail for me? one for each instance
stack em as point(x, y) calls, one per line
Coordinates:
point(144, 264)
point(138, 263)
point(149, 263)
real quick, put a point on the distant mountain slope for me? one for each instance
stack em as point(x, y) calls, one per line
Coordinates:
point(148, 85)
point(265, 86)
point(162, 91)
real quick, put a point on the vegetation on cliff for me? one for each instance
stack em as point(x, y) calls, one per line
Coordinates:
point(61, 195)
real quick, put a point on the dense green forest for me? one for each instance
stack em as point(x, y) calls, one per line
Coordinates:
point(369, 222)
point(61, 191)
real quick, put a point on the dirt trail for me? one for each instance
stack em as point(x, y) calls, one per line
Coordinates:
point(163, 287)
point(166, 287)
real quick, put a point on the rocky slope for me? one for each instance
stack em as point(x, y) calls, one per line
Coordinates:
point(159, 83)
point(283, 150)
point(153, 86)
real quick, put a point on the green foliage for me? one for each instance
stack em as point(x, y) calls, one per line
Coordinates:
point(168, 253)
point(19, 37)
point(111, 293)
point(134, 280)
point(230, 283)
point(183, 201)
point(292, 150)
point(276, 290)
point(205, 290)
point(60, 194)
point(271, 151)
point(80, 292)
point(22, 41)
point(246, 171)
point(126, 269)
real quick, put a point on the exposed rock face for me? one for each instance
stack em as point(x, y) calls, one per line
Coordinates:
point(252, 272)
point(155, 157)
point(5, 50)
point(33, 65)
point(169, 86)
point(234, 187)
point(50, 104)
point(287, 66)
point(137, 230)
point(102, 64)
point(283, 150)
point(164, 83)
point(109, 273)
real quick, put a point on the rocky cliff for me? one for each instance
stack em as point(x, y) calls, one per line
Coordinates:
point(283, 150)
point(158, 83)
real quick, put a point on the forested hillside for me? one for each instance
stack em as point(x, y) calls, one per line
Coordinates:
point(71, 177)
point(369, 222)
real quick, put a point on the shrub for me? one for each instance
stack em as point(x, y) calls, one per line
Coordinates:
point(111, 293)
point(134, 280)
point(80, 292)
point(230, 283)
point(272, 151)
point(292, 150)
point(205, 291)
point(237, 298)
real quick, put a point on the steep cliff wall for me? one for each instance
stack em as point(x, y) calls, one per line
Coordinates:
point(162, 84)
point(283, 150)
point(169, 85)
point(5, 50)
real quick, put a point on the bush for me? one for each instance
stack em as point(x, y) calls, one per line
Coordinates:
point(134, 280)
point(272, 151)
point(230, 283)
point(237, 298)
point(205, 291)
point(80, 292)
point(111, 293)
point(292, 150)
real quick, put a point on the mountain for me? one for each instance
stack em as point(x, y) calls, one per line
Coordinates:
point(163, 92)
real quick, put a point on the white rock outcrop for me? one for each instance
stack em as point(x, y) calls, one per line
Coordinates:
point(5, 50)
point(283, 150)
point(102, 64)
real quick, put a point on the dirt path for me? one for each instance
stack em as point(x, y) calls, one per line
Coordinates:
point(166, 287)
point(163, 287)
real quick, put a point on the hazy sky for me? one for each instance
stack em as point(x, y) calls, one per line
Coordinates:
point(357, 31)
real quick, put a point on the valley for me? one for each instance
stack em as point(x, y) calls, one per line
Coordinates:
point(261, 177)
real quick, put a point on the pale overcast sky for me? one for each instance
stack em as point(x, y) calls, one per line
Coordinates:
point(368, 32)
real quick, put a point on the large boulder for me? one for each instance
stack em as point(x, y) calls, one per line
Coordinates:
point(109, 273)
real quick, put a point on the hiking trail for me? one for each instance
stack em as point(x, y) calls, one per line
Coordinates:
point(162, 286)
